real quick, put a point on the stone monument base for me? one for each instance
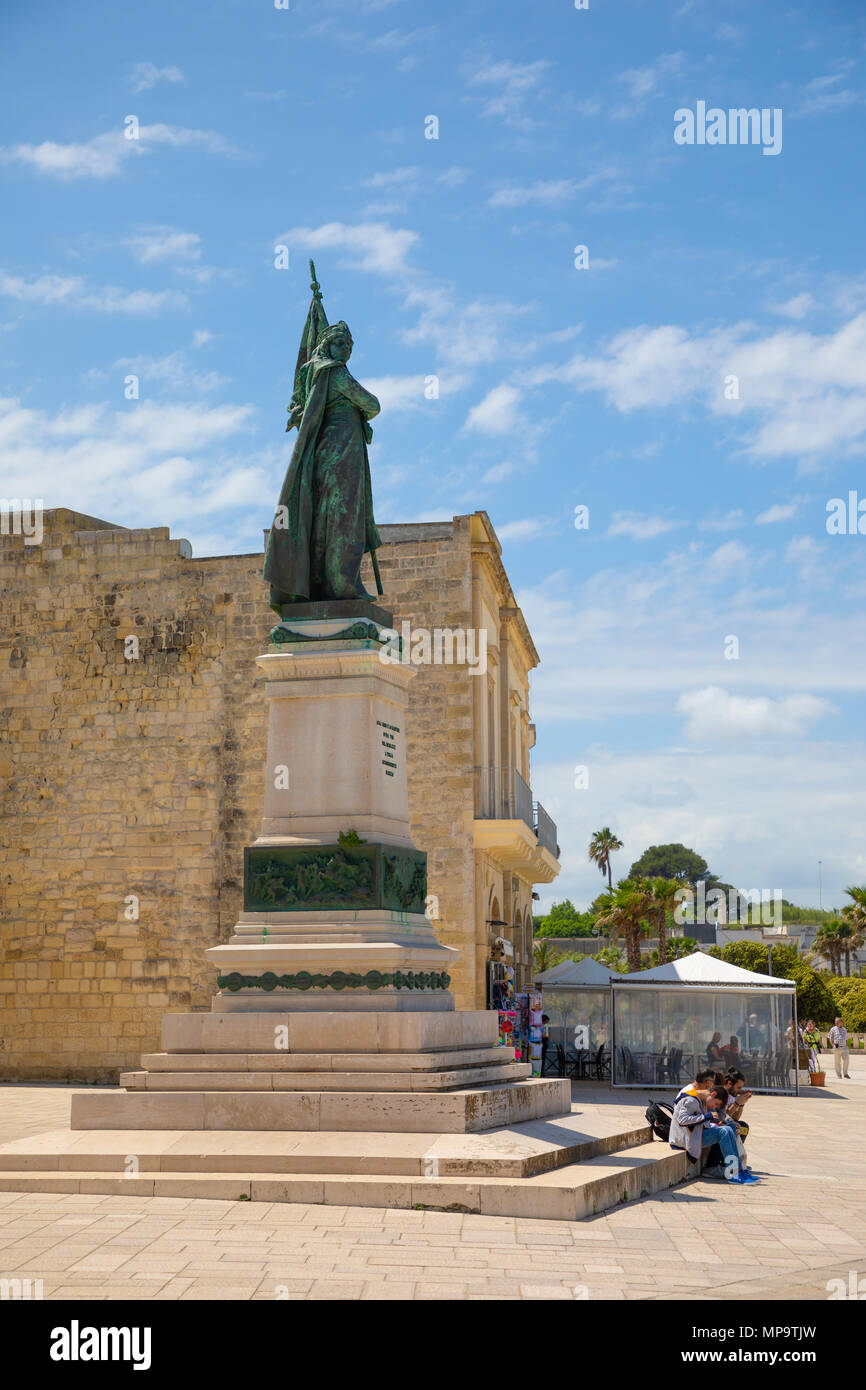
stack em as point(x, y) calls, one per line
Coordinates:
point(362, 1072)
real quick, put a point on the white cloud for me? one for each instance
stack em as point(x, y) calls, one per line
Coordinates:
point(405, 393)
point(371, 246)
point(780, 511)
point(729, 522)
point(153, 244)
point(498, 412)
point(143, 76)
point(807, 391)
point(174, 373)
point(759, 819)
point(391, 178)
point(512, 84)
point(148, 463)
point(824, 94)
point(642, 82)
point(629, 639)
point(542, 191)
point(103, 157)
point(454, 176)
point(499, 472)
point(640, 528)
point(528, 530)
point(713, 715)
point(796, 308)
point(72, 291)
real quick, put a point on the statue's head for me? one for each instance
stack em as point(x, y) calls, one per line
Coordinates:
point(336, 341)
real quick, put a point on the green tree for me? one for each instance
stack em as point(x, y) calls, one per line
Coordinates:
point(563, 919)
point(602, 845)
point(613, 958)
point(678, 947)
point(677, 862)
point(849, 1000)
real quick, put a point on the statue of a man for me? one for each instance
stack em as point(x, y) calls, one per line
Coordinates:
point(324, 520)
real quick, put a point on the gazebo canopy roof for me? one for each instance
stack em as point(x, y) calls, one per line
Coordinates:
point(701, 969)
point(573, 972)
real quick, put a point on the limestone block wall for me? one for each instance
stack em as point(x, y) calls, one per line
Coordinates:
point(138, 777)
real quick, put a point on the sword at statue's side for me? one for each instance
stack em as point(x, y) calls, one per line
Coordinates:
point(376, 572)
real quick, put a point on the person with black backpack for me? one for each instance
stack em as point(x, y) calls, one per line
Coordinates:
point(698, 1123)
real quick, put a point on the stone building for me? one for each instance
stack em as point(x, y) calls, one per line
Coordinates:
point(132, 738)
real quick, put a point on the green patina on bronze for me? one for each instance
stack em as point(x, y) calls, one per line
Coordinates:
point(340, 979)
point(324, 519)
point(323, 877)
point(356, 632)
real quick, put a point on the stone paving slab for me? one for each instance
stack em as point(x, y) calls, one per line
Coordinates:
point(784, 1239)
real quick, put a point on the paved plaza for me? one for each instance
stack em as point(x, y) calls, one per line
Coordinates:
point(785, 1238)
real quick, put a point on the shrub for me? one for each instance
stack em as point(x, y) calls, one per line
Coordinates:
point(849, 1000)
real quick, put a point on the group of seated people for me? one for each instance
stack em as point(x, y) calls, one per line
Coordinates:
point(707, 1112)
point(721, 1054)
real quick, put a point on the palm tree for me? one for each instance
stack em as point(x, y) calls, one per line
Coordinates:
point(845, 932)
point(544, 955)
point(828, 944)
point(663, 892)
point(623, 910)
point(855, 917)
point(602, 845)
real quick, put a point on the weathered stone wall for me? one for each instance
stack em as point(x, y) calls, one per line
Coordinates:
point(142, 776)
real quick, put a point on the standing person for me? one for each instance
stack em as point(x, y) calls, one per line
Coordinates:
point(812, 1040)
point(839, 1043)
point(545, 1039)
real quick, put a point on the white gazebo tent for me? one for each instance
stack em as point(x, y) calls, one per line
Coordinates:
point(576, 998)
point(665, 1020)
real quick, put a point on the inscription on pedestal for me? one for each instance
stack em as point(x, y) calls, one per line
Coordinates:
point(389, 733)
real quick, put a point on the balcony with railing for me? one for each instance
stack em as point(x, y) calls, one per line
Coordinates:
point(511, 826)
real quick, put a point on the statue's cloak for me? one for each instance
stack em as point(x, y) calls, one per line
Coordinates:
point(287, 558)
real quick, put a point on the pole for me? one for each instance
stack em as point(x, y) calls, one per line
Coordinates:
point(820, 902)
point(769, 960)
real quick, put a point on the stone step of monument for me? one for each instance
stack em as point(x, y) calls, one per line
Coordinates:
point(563, 1194)
point(211, 1080)
point(461, 1111)
point(452, 1059)
point(532, 1148)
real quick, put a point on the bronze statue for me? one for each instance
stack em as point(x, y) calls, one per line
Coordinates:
point(324, 519)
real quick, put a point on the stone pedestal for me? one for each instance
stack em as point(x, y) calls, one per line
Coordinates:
point(334, 1011)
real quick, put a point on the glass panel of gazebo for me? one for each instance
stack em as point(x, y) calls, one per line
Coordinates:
point(586, 1010)
point(664, 1036)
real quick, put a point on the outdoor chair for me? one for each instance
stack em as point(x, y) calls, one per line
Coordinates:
point(574, 1064)
point(674, 1066)
point(602, 1063)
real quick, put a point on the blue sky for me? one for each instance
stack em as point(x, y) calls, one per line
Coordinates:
point(558, 386)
